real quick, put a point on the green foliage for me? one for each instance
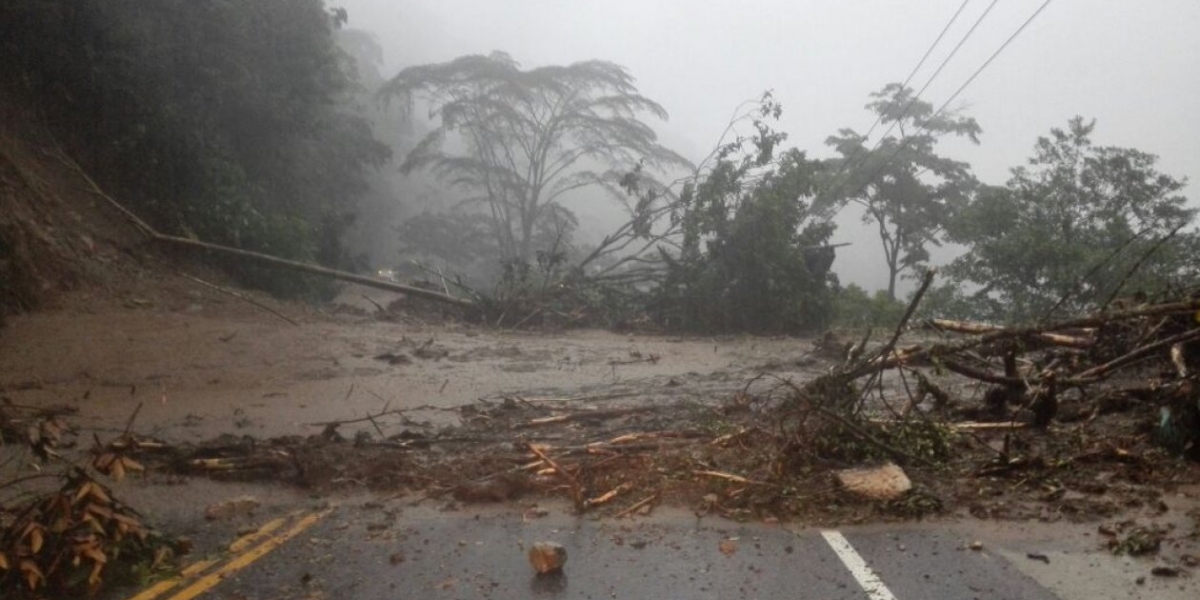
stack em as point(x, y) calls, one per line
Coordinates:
point(947, 301)
point(1080, 224)
point(907, 190)
point(860, 440)
point(855, 309)
point(220, 120)
point(515, 141)
point(754, 257)
point(461, 241)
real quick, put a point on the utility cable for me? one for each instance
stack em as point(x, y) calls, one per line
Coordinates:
point(904, 141)
point(908, 137)
point(924, 58)
point(855, 161)
point(916, 97)
point(989, 60)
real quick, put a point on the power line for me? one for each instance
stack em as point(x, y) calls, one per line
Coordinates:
point(921, 63)
point(989, 60)
point(908, 137)
point(849, 168)
point(916, 97)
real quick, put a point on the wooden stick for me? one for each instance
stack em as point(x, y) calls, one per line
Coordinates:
point(609, 495)
point(963, 426)
point(584, 415)
point(576, 489)
point(1137, 353)
point(730, 477)
point(240, 296)
point(1055, 339)
point(636, 505)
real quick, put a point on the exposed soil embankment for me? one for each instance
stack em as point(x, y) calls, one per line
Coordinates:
point(54, 236)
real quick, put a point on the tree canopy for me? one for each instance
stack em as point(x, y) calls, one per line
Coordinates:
point(753, 254)
point(516, 141)
point(1078, 225)
point(905, 188)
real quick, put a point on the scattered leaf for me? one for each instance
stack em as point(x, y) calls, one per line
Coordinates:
point(36, 540)
point(33, 575)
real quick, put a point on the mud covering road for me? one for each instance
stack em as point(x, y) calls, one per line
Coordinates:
point(201, 364)
point(203, 367)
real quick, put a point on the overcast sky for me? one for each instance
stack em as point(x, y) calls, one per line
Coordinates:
point(1132, 65)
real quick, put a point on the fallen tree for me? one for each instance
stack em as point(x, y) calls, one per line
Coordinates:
point(154, 235)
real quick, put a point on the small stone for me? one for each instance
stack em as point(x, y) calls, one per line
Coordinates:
point(976, 545)
point(231, 508)
point(547, 557)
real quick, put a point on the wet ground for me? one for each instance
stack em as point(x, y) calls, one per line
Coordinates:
point(368, 547)
point(200, 371)
point(201, 364)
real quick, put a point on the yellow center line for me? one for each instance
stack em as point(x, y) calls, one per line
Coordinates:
point(236, 547)
point(244, 560)
point(247, 540)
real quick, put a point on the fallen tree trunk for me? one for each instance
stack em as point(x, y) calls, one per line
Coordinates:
point(155, 235)
point(970, 327)
point(317, 270)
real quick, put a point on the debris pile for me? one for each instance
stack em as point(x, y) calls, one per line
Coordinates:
point(1075, 419)
point(71, 539)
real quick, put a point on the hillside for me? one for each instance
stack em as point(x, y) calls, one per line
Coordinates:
point(55, 236)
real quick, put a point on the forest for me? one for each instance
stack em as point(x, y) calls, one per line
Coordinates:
point(269, 127)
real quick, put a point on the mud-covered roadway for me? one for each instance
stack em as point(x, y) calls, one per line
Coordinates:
point(202, 364)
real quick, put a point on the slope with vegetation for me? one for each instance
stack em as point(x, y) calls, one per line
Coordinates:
point(225, 122)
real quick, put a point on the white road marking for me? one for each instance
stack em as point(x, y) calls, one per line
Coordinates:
point(870, 582)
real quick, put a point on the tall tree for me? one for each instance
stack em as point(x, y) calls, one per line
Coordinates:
point(517, 140)
point(905, 188)
point(1072, 229)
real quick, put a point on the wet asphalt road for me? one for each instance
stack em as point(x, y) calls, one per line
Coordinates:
point(436, 555)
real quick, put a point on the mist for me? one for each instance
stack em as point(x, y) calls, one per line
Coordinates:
point(1129, 67)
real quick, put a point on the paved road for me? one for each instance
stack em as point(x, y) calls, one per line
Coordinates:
point(371, 551)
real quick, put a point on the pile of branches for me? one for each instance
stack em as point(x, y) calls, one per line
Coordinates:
point(771, 452)
point(72, 538)
point(1136, 354)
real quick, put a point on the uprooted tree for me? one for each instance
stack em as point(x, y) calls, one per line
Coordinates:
point(753, 254)
point(517, 141)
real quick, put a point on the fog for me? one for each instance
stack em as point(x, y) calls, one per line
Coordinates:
point(1132, 66)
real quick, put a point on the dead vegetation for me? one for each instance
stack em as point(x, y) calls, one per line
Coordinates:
point(71, 538)
point(1076, 420)
point(1079, 420)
